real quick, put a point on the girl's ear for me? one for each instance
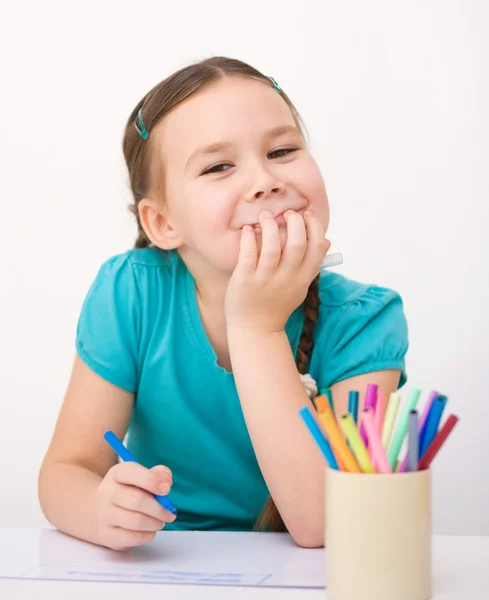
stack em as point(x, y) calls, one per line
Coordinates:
point(157, 226)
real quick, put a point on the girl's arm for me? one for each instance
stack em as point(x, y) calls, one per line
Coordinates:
point(271, 394)
point(78, 457)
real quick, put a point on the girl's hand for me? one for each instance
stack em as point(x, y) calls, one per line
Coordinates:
point(262, 293)
point(128, 514)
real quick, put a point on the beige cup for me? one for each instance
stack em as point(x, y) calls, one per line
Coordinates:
point(378, 536)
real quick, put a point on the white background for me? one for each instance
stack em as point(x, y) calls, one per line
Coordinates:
point(395, 97)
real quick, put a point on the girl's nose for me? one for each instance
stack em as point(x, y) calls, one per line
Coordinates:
point(265, 184)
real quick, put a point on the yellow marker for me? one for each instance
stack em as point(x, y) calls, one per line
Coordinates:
point(356, 443)
point(340, 448)
point(390, 419)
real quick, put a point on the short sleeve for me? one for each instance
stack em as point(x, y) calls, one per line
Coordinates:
point(109, 324)
point(367, 333)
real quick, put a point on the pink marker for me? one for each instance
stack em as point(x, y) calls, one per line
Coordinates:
point(375, 442)
point(370, 402)
point(424, 416)
point(380, 412)
point(378, 419)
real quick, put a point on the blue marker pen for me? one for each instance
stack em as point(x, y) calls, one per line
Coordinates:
point(126, 456)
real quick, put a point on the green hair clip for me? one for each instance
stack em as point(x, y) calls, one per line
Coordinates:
point(143, 132)
point(275, 84)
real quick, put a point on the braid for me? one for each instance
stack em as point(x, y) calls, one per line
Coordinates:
point(311, 310)
point(270, 518)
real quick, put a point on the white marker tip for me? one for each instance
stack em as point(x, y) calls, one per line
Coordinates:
point(332, 260)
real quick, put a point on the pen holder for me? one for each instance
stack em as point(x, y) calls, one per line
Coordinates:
point(378, 536)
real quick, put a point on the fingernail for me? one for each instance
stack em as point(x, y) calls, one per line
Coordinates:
point(266, 214)
point(164, 487)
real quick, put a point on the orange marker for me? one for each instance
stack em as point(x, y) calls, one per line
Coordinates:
point(343, 454)
point(326, 417)
point(322, 404)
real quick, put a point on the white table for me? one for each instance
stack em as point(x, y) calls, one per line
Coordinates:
point(460, 572)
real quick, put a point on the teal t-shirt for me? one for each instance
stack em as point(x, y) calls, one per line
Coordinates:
point(140, 329)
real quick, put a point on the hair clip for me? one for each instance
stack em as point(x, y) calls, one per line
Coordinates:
point(143, 132)
point(275, 84)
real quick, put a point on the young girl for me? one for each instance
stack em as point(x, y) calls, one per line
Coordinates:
point(195, 341)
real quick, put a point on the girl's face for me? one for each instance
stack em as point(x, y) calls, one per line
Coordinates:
point(230, 152)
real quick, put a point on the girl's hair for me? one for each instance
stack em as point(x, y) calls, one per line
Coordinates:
point(145, 175)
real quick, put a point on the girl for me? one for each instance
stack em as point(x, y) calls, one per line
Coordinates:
point(195, 341)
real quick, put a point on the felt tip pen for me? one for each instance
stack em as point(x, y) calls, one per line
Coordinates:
point(121, 451)
point(332, 260)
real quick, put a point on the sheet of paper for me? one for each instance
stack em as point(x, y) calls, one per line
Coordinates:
point(202, 558)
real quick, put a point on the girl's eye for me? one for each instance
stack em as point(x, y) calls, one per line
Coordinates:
point(216, 169)
point(275, 154)
point(285, 151)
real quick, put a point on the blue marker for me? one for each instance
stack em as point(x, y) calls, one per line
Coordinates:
point(126, 456)
point(432, 422)
point(353, 405)
point(318, 436)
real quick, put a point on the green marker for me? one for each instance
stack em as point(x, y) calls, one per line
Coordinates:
point(403, 427)
point(390, 419)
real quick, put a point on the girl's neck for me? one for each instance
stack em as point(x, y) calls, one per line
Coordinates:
point(211, 308)
point(210, 291)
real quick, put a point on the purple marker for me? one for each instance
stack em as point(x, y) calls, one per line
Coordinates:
point(421, 422)
point(370, 402)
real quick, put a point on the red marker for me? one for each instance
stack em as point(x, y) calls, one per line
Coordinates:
point(437, 442)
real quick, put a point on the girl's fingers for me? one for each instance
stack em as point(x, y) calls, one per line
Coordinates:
point(297, 242)
point(134, 474)
point(118, 538)
point(137, 500)
point(317, 246)
point(248, 253)
point(132, 520)
point(271, 250)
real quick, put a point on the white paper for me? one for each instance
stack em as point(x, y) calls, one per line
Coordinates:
point(199, 558)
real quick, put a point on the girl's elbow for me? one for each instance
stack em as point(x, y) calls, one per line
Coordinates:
point(308, 537)
point(309, 541)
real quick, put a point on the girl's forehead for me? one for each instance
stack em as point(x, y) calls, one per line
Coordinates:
point(233, 110)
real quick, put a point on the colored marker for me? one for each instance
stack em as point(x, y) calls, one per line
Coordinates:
point(343, 454)
point(327, 393)
point(329, 396)
point(332, 260)
point(421, 422)
point(119, 448)
point(390, 418)
point(426, 410)
point(402, 428)
point(380, 412)
point(438, 442)
point(413, 442)
point(318, 437)
point(322, 405)
point(356, 443)
point(378, 455)
point(370, 402)
point(432, 422)
point(379, 421)
point(353, 405)
point(325, 414)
